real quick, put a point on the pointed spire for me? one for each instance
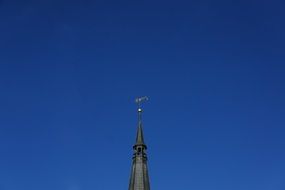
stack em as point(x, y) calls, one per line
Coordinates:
point(139, 179)
point(140, 139)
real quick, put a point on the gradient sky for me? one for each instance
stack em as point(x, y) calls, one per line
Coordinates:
point(214, 72)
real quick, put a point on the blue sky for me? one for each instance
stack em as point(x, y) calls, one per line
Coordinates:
point(214, 72)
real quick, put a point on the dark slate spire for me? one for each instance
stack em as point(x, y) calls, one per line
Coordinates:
point(139, 179)
point(139, 139)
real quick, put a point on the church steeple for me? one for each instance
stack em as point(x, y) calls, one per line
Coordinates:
point(139, 179)
point(139, 139)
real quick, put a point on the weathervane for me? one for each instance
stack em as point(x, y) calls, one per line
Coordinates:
point(139, 102)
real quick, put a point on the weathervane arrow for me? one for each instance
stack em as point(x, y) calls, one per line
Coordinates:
point(139, 102)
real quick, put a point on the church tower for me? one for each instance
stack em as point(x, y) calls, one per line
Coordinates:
point(139, 179)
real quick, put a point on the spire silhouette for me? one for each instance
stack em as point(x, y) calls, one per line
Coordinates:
point(139, 139)
point(139, 179)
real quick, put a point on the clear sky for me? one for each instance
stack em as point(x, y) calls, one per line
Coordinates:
point(214, 72)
